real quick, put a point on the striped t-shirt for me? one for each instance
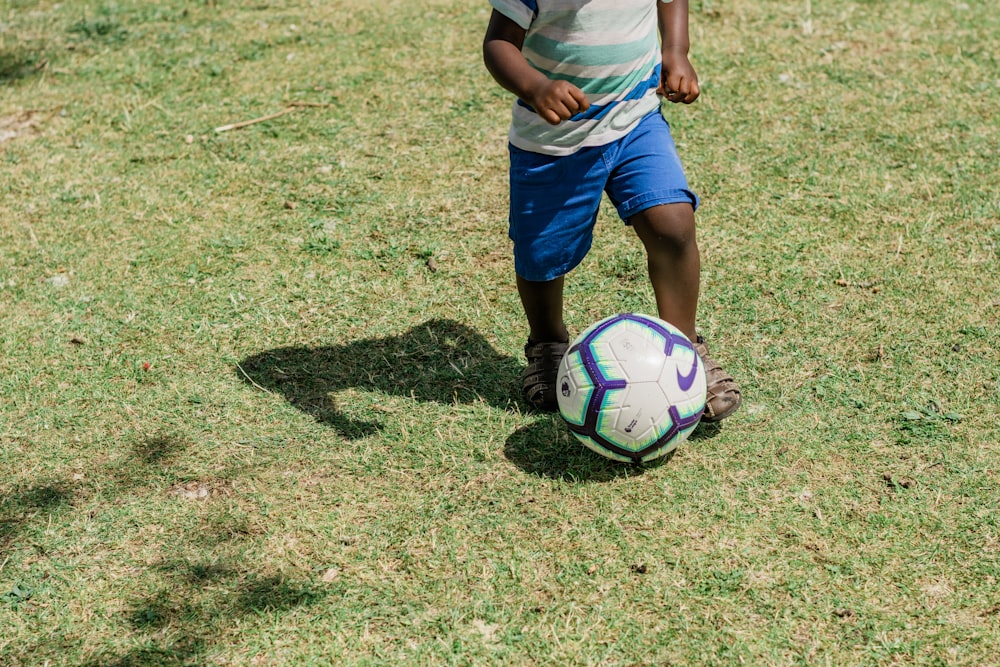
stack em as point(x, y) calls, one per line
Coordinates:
point(607, 48)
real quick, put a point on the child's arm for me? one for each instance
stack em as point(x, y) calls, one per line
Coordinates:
point(678, 81)
point(554, 101)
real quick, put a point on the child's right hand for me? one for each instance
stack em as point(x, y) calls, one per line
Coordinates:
point(556, 101)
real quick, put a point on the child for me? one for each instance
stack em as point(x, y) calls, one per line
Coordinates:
point(588, 75)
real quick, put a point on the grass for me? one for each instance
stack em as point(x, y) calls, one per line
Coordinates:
point(258, 386)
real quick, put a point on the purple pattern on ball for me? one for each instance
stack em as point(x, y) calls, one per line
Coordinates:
point(604, 385)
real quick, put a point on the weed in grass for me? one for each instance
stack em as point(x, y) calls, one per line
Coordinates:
point(103, 27)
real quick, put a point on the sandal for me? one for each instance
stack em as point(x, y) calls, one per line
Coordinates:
point(538, 382)
point(722, 397)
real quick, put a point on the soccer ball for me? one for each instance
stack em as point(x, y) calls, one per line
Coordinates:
point(631, 387)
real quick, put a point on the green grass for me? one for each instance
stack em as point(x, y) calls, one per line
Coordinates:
point(258, 387)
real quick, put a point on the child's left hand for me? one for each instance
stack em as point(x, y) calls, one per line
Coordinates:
point(678, 80)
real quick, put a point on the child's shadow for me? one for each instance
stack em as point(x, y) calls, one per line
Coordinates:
point(440, 360)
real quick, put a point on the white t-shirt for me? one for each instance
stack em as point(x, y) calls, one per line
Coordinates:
point(607, 48)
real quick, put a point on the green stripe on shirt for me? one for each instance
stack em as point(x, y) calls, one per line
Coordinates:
point(607, 85)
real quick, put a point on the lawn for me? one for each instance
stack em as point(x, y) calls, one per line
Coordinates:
point(258, 384)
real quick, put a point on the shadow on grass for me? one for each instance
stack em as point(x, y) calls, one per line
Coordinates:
point(159, 449)
point(21, 506)
point(705, 431)
point(183, 606)
point(17, 64)
point(546, 448)
point(27, 505)
point(178, 624)
point(440, 361)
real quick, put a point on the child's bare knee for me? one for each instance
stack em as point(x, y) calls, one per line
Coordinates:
point(669, 228)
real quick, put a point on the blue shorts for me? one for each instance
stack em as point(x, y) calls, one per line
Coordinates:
point(554, 200)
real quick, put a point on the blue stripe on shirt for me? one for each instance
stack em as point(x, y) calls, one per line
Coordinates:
point(598, 111)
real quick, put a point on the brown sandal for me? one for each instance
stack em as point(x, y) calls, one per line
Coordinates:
point(723, 395)
point(538, 383)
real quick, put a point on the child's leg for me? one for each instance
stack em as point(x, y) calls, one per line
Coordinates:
point(554, 202)
point(547, 340)
point(543, 306)
point(668, 234)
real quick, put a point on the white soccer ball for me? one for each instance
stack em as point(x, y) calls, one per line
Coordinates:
point(631, 387)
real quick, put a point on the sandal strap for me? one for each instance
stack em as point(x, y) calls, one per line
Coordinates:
point(538, 381)
point(545, 351)
point(722, 394)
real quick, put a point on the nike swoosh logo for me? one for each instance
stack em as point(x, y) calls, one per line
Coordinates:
point(685, 382)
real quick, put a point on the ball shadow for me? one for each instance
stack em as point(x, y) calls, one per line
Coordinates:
point(705, 431)
point(547, 449)
point(440, 361)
